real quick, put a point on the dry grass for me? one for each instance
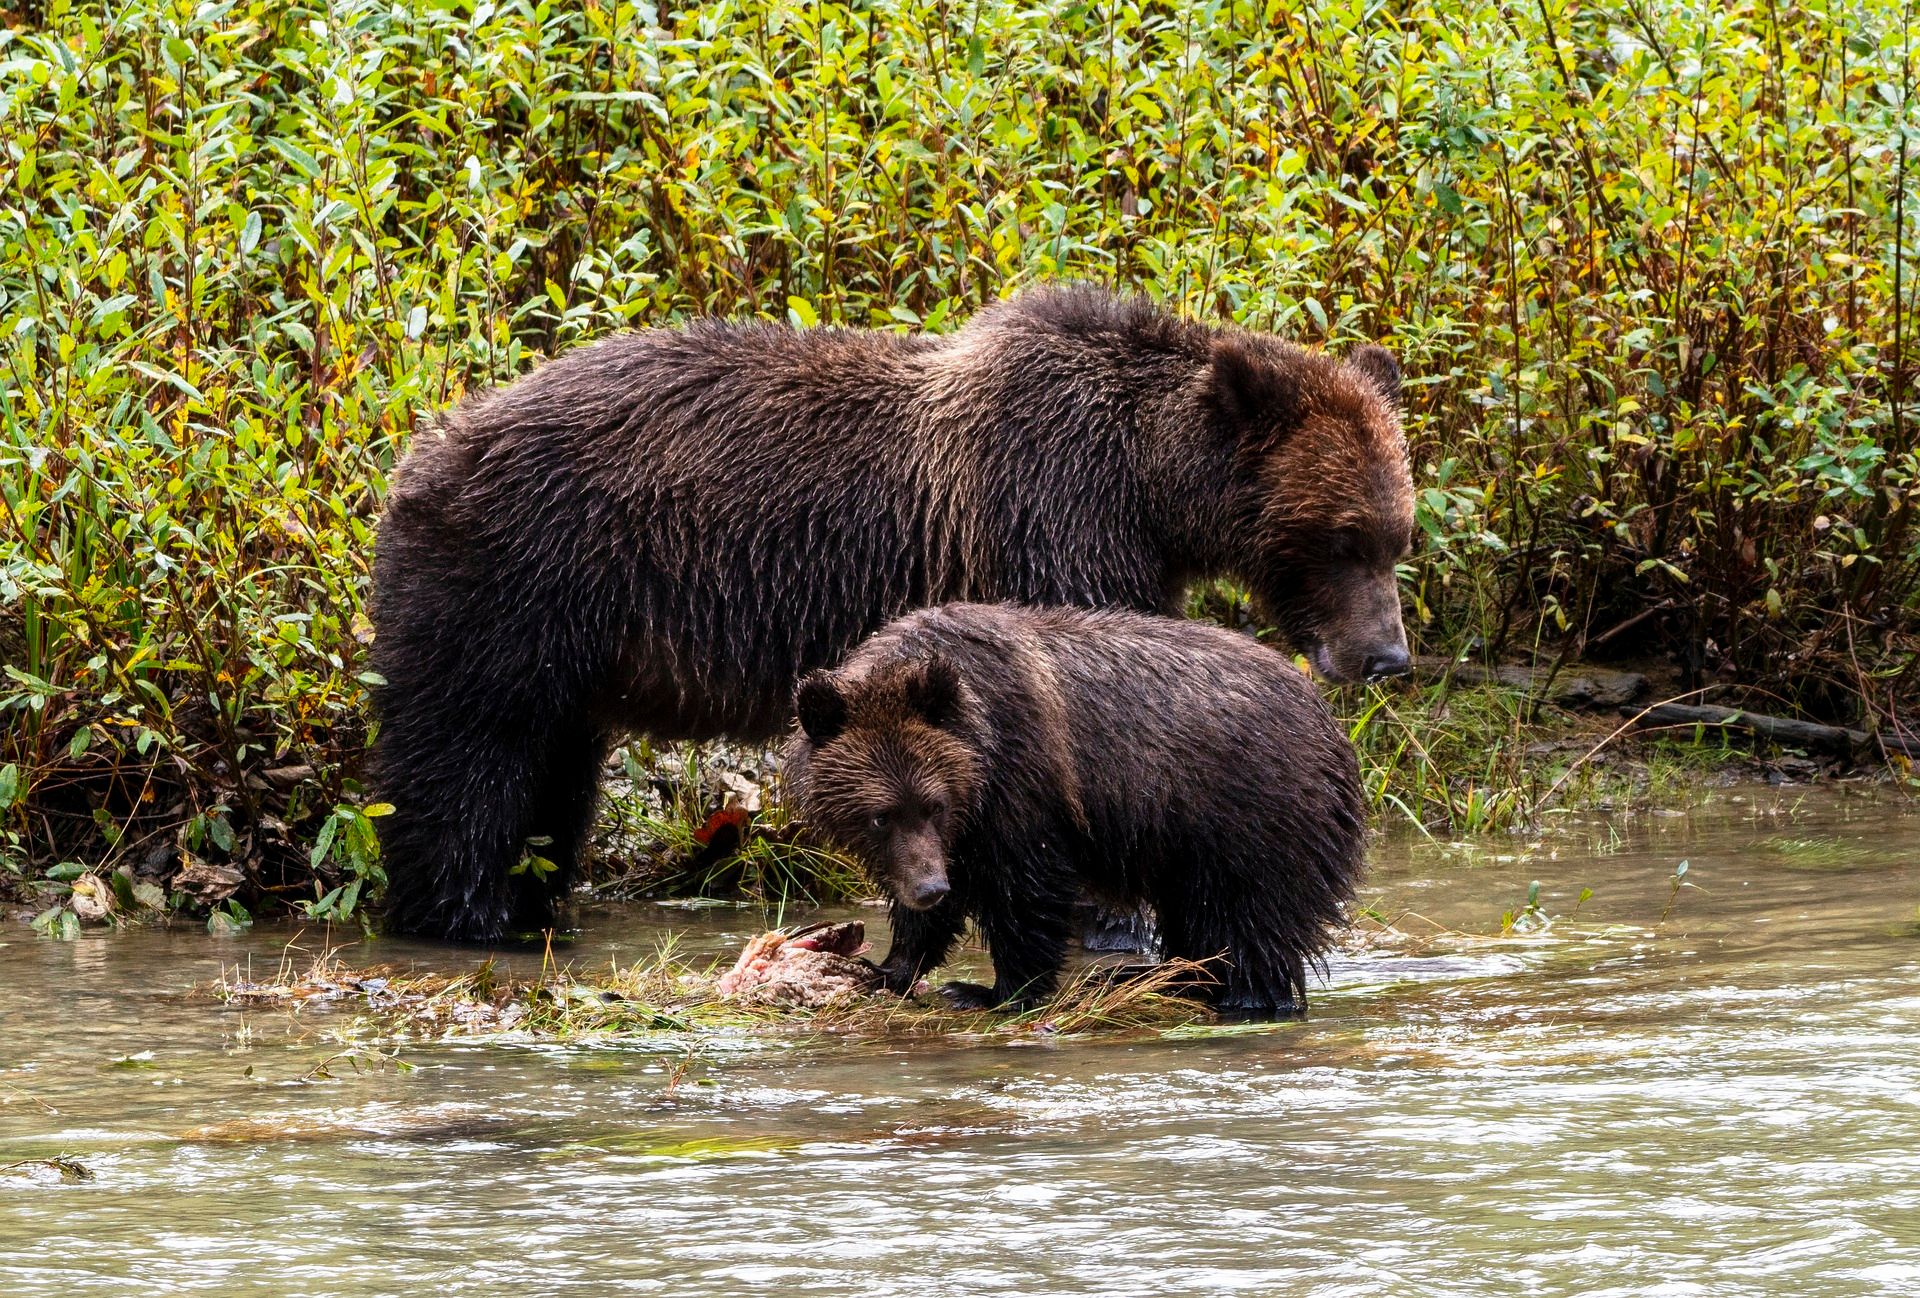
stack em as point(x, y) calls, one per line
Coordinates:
point(665, 993)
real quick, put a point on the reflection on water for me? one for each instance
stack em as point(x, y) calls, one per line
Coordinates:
point(1712, 1089)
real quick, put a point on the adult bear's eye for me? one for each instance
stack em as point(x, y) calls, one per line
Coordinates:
point(880, 820)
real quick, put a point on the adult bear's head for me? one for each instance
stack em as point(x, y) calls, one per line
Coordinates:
point(1320, 502)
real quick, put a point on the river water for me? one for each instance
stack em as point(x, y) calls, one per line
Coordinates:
point(1708, 1089)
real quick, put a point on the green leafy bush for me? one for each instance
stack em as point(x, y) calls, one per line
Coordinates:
point(1649, 265)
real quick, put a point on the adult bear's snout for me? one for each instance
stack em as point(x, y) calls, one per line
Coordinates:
point(1388, 660)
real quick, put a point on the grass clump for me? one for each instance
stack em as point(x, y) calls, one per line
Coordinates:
point(1467, 759)
point(665, 993)
point(1449, 759)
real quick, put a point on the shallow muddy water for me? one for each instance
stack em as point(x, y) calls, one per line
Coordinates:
point(1708, 1090)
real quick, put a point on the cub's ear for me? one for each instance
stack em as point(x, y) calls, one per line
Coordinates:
point(1249, 389)
point(821, 706)
point(1378, 364)
point(933, 690)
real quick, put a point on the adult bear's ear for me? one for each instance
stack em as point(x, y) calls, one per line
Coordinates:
point(1378, 364)
point(933, 690)
point(1249, 389)
point(821, 706)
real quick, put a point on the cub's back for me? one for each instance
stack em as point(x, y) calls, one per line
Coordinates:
point(1144, 704)
point(1175, 719)
point(1167, 743)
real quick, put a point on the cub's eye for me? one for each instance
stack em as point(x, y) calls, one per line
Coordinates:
point(936, 808)
point(880, 819)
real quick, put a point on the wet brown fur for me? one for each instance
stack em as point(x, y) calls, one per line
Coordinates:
point(1049, 751)
point(662, 532)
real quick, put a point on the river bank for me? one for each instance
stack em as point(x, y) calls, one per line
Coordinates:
point(1460, 752)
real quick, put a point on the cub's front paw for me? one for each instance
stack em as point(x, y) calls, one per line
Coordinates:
point(1254, 1010)
point(901, 980)
point(969, 996)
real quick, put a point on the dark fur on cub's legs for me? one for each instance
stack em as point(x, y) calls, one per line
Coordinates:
point(922, 940)
point(1027, 934)
point(1106, 928)
point(1230, 929)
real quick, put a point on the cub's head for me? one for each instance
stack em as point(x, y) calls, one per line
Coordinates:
point(1321, 497)
point(882, 766)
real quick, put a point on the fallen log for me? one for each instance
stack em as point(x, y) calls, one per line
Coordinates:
point(1783, 730)
point(1573, 687)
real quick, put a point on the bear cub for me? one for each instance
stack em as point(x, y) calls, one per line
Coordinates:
point(989, 762)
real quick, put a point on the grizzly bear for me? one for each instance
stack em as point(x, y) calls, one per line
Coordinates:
point(989, 762)
point(662, 532)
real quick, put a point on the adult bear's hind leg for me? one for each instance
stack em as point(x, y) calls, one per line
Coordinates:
point(486, 660)
point(566, 790)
